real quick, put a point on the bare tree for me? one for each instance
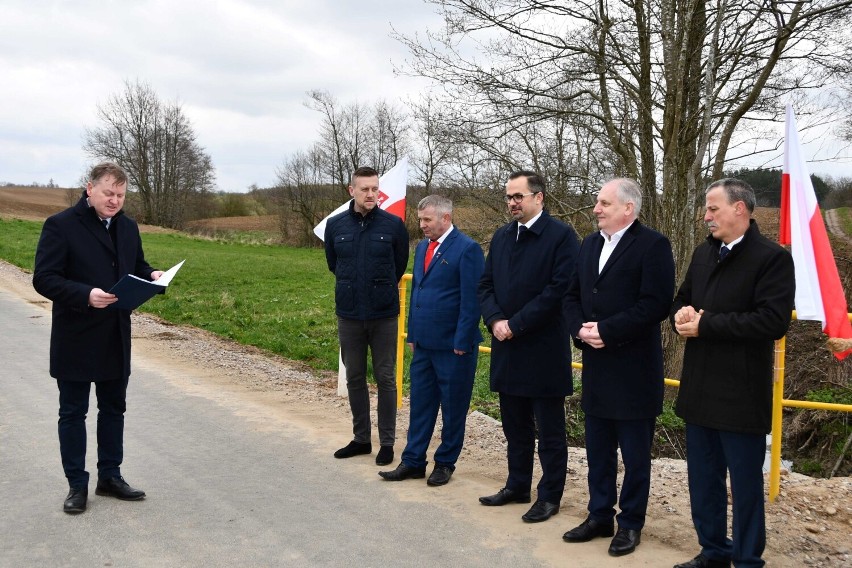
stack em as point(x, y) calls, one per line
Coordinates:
point(341, 136)
point(387, 135)
point(359, 134)
point(155, 142)
point(304, 190)
point(433, 149)
point(656, 90)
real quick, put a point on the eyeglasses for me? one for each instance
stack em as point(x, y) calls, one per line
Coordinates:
point(517, 197)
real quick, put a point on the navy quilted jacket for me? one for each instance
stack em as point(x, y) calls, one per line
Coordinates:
point(368, 255)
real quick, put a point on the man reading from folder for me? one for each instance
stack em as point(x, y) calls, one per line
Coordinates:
point(82, 252)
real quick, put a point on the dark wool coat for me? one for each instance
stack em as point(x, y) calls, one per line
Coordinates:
point(747, 300)
point(76, 254)
point(525, 282)
point(629, 298)
point(368, 255)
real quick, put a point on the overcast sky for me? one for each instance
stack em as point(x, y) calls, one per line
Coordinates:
point(240, 69)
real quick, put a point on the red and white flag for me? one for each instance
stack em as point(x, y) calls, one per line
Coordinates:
point(819, 294)
point(391, 195)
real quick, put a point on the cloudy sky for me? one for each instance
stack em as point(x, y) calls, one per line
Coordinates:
point(240, 69)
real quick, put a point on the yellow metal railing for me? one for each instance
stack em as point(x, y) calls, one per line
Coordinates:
point(778, 400)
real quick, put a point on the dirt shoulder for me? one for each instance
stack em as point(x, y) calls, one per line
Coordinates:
point(810, 524)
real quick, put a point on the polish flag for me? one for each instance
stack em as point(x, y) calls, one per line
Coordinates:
point(819, 295)
point(391, 195)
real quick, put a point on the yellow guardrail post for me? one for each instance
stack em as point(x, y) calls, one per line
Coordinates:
point(777, 409)
point(400, 336)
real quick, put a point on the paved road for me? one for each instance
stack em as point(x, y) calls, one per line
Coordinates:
point(228, 488)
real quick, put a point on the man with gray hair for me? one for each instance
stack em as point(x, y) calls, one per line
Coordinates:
point(735, 301)
point(621, 291)
point(443, 333)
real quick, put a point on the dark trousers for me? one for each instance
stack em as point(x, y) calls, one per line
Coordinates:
point(603, 438)
point(73, 407)
point(439, 378)
point(356, 336)
point(710, 454)
point(520, 417)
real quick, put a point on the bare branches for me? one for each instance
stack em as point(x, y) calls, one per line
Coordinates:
point(155, 143)
point(660, 88)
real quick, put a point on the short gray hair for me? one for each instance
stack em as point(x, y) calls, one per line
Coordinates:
point(735, 190)
point(628, 191)
point(440, 203)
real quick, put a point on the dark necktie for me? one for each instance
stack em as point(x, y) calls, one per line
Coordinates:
point(106, 224)
point(429, 252)
point(723, 252)
point(521, 230)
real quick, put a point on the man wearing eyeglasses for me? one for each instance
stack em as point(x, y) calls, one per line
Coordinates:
point(620, 293)
point(527, 272)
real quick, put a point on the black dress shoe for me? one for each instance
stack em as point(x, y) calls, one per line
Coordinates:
point(505, 496)
point(540, 511)
point(440, 475)
point(589, 529)
point(702, 561)
point(75, 502)
point(117, 487)
point(385, 455)
point(354, 448)
point(402, 472)
point(625, 542)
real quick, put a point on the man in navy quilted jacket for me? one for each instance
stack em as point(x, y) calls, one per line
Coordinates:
point(367, 250)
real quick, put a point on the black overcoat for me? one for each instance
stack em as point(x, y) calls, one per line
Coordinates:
point(747, 300)
point(76, 254)
point(629, 298)
point(525, 282)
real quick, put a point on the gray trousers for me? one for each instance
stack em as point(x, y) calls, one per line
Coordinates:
point(380, 336)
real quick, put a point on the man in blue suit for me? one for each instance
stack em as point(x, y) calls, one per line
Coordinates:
point(621, 291)
point(443, 332)
point(526, 275)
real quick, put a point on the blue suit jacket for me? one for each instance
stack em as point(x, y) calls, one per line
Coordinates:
point(628, 298)
point(444, 312)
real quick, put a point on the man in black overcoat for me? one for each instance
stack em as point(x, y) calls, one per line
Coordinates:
point(527, 272)
point(735, 301)
point(621, 291)
point(83, 251)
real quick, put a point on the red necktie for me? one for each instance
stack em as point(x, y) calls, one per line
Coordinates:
point(429, 252)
